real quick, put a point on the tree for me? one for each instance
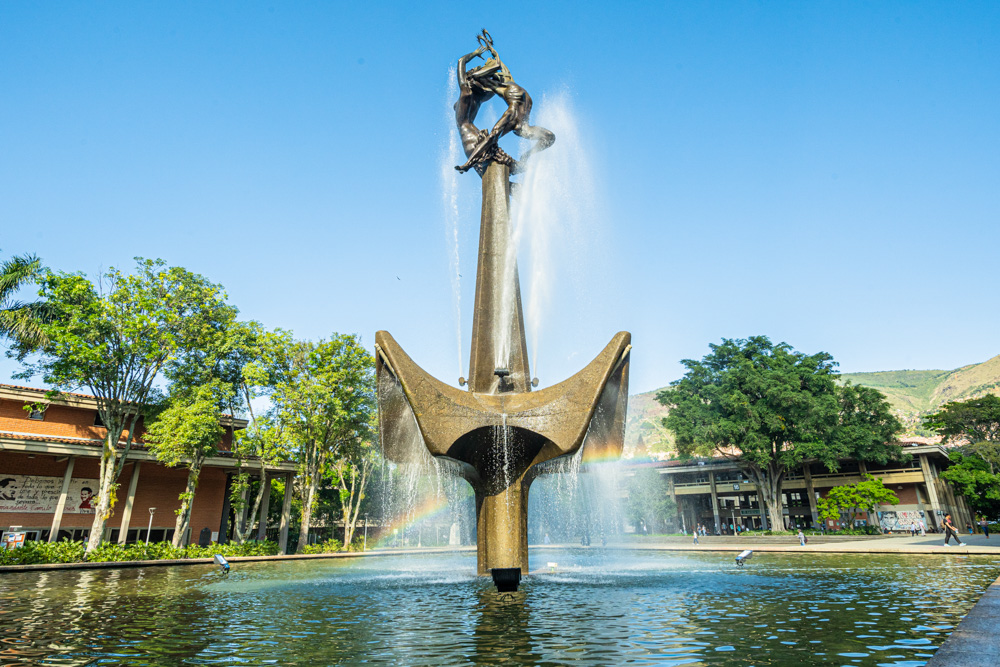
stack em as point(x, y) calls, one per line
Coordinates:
point(249, 360)
point(114, 342)
point(19, 321)
point(648, 503)
point(351, 473)
point(773, 408)
point(186, 433)
point(325, 403)
point(854, 499)
point(975, 421)
point(975, 479)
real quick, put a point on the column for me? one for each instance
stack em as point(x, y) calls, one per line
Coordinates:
point(672, 492)
point(245, 501)
point(61, 505)
point(715, 500)
point(811, 493)
point(264, 502)
point(286, 511)
point(929, 484)
point(224, 521)
point(129, 502)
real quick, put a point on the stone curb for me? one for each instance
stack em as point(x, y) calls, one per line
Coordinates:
point(846, 548)
point(975, 642)
point(210, 561)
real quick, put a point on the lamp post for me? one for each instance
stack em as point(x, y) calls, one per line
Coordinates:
point(150, 526)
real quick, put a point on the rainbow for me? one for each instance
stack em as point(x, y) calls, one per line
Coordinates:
point(428, 509)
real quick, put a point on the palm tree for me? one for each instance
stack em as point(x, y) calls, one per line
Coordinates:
point(19, 321)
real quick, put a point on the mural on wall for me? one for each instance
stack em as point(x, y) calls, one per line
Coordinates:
point(900, 520)
point(38, 494)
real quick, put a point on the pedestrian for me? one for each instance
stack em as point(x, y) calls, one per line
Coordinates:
point(950, 531)
point(695, 535)
point(985, 526)
point(802, 538)
point(968, 527)
point(923, 528)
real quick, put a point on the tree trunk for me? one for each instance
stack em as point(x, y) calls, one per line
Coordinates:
point(105, 492)
point(187, 500)
point(769, 483)
point(241, 532)
point(310, 484)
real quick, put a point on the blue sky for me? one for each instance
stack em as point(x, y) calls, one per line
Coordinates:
point(822, 173)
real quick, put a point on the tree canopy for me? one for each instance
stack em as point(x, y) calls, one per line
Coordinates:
point(773, 408)
point(19, 320)
point(114, 339)
point(975, 420)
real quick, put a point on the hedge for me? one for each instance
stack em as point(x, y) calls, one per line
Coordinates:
point(66, 551)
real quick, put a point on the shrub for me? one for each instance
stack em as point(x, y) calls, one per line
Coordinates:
point(34, 553)
point(328, 547)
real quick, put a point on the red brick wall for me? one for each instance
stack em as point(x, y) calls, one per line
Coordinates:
point(158, 487)
point(60, 421)
point(907, 495)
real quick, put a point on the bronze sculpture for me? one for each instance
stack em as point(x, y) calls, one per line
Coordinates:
point(479, 85)
point(498, 433)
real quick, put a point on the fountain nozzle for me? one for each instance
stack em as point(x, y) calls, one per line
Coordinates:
point(501, 373)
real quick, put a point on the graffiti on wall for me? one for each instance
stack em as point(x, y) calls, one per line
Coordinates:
point(40, 495)
point(900, 520)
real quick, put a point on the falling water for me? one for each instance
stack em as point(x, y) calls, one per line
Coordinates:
point(552, 216)
point(450, 199)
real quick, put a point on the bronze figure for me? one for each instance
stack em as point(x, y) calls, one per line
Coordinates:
point(479, 85)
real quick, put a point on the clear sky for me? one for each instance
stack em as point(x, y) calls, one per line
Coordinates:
point(826, 174)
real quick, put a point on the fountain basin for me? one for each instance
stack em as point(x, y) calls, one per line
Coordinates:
point(598, 607)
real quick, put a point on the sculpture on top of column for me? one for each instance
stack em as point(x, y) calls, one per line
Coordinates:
point(479, 85)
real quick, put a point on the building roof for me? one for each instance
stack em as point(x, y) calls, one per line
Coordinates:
point(72, 399)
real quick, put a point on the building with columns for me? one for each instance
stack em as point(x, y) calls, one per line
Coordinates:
point(716, 492)
point(49, 461)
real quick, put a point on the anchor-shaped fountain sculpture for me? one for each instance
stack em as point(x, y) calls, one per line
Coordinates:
point(499, 432)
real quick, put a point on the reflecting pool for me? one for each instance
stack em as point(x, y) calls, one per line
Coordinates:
point(598, 607)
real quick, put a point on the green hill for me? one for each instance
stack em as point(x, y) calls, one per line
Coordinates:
point(912, 395)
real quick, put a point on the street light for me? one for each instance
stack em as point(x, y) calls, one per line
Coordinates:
point(150, 527)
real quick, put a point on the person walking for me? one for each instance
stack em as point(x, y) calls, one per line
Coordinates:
point(923, 528)
point(950, 531)
point(802, 538)
point(695, 531)
point(984, 525)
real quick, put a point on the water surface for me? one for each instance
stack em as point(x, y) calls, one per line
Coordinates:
point(599, 607)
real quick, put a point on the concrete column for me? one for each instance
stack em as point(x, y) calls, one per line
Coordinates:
point(224, 521)
point(244, 500)
point(811, 494)
point(129, 502)
point(672, 492)
point(286, 512)
point(264, 502)
point(61, 505)
point(715, 500)
point(930, 482)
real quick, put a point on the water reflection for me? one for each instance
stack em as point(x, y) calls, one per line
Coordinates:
point(599, 607)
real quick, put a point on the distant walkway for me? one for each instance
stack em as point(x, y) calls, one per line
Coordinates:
point(930, 544)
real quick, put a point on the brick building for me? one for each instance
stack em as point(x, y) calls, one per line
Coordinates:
point(716, 492)
point(49, 463)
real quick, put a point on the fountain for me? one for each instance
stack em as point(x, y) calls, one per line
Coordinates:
point(499, 433)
